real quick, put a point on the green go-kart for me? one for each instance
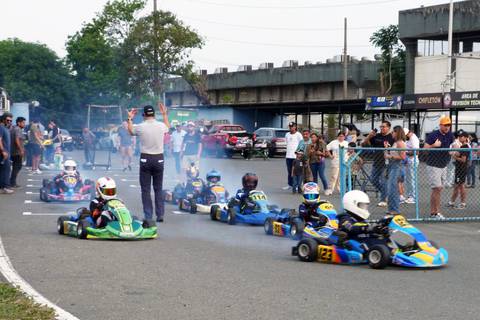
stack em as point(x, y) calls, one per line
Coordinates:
point(123, 226)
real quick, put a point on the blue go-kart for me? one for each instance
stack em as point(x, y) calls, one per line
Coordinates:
point(256, 216)
point(399, 243)
point(295, 227)
point(203, 201)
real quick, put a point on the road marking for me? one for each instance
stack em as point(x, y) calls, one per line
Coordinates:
point(31, 192)
point(28, 213)
point(133, 186)
point(33, 186)
point(12, 276)
point(31, 180)
point(129, 180)
point(179, 212)
point(30, 201)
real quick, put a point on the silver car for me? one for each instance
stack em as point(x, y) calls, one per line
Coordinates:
point(275, 138)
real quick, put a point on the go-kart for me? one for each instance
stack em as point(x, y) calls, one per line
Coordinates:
point(50, 192)
point(183, 190)
point(124, 226)
point(256, 215)
point(295, 227)
point(399, 244)
point(202, 202)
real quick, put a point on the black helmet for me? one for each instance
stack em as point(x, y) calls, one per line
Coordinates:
point(250, 181)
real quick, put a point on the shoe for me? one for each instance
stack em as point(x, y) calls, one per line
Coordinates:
point(6, 191)
point(328, 192)
point(286, 188)
point(382, 204)
point(16, 186)
point(410, 200)
point(299, 190)
point(160, 220)
point(294, 191)
point(437, 215)
point(402, 198)
point(37, 171)
point(461, 206)
point(450, 204)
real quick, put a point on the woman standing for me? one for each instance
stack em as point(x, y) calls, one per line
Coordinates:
point(395, 162)
point(334, 151)
point(316, 154)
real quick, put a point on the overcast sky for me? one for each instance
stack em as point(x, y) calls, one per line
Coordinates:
point(236, 32)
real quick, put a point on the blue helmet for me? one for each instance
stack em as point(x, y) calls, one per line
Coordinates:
point(213, 176)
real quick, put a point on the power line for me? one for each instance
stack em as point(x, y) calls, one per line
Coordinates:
point(341, 5)
point(281, 44)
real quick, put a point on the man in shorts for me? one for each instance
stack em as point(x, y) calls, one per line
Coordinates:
point(191, 147)
point(35, 138)
point(437, 163)
point(126, 142)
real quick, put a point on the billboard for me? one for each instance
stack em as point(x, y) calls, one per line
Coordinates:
point(376, 103)
point(423, 101)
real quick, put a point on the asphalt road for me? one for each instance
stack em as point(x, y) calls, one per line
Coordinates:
point(199, 269)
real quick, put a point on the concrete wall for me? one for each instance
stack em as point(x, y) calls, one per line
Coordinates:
point(216, 113)
point(430, 72)
point(468, 72)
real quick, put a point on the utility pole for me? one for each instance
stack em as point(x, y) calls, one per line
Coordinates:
point(449, 78)
point(345, 62)
point(156, 78)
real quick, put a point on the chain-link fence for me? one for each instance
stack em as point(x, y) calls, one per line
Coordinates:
point(429, 185)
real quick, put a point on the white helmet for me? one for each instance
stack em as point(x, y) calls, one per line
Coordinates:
point(106, 188)
point(356, 203)
point(310, 193)
point(70, 167)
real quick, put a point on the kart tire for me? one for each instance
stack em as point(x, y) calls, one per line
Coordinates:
point(193, 206)
point(61, 225)
point(45, 183)
point(82, 229)
point(268, 226)
point(213, 212)
point(378, 256)
point(44, 195)
point(307, 250)
point(296, 228)
point(231, 216)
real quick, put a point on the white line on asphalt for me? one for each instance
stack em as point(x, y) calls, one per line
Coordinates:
point(133, 186)
point(12, 276)
point(129, 180)
point(30, 201)
point(31, 180)
point(30, 192)
point(179, 212)
point(33, 186)
point(28, 213)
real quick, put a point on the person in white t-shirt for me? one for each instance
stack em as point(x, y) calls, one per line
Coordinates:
point(292, 140)
point(176, 146)
point(334, 149)
point(412, 143)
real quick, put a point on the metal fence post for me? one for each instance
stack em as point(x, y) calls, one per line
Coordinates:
point(415, 176)
point(342, 175)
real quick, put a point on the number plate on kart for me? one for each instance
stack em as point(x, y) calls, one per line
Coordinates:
point(277, 229)
point(196, 184)
point(402, 222)
point(258, 197)
point(326, 206)
point(325, 253)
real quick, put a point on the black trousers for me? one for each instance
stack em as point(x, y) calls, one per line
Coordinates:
point(16, 167)
point(151, 172)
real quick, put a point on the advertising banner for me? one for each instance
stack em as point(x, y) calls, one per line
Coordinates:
point(376, 103)
point(422, 101)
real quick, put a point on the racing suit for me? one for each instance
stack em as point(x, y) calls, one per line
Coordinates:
point(360, 231)
point(206, 191)
point(59, 184)
point(308, 212)
point(100, 216)
point(241, 199)
point(189, 188)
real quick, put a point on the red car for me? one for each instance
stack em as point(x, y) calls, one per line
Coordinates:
point(222, 138)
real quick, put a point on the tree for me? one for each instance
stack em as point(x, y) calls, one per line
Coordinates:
point(157, 47)
point(31, 71)
point(392, 75)
point(93, 52)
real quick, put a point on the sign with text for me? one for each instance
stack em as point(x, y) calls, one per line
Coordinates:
point(383, 103)
point(462, 100)
point(423, 101)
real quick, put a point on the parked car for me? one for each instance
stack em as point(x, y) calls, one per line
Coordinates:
point(275, 138)
point(67, 140)
point(222, 138)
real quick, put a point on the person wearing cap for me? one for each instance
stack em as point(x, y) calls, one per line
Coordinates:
point(191, 147)
point(292, 139)
point(410, 186)
point(437, 163)
point(151, 134)
point(176, 146)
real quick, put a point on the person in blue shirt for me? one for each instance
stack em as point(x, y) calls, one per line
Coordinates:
point(5, 145)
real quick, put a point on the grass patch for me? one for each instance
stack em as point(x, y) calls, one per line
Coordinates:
point(15, 305)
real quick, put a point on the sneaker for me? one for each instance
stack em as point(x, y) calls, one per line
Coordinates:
point(461, 206)
point(286, 188)
point(402, 198)
point(160, 220)
point(328, 192)
point(410, 200)
point(382, 204)
point(294, 191)
point(450, 204)
point(437, 215)
point(300, 190)
point(6, 191)
point(37, 171)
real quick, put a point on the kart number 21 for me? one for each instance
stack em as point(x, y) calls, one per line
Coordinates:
point(325, 253)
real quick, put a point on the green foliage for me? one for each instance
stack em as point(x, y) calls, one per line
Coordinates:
point(392, 75)
point(14, 305)
point(31, 71)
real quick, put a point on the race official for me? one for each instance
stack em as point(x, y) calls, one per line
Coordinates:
point(151, 134)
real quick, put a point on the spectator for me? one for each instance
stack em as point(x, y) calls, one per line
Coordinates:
point(334, 151)
point(88, 145)
point(126, 143)
point(298, 169)
point(473, 161)
point(377, 140)
point(355, 164)
point(412, 160)
point(395, 160)
point(18, 150)
point(54, 135)
point(191, 147)
point(5, 146)
point(35, 138)
point(292, 139)
point(151, 134)
point(437, 163)
point(450, 181)
point(316, 153)
point(176, 146)
point(305, 142)
point(461, 167)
